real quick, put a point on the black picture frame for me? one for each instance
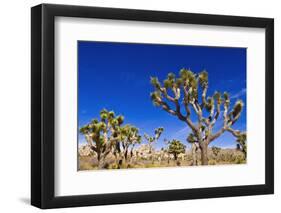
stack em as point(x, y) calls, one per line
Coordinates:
point(43, 102)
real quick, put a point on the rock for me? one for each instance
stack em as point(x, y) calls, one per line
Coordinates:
point(85, 150)
point(143, 151)
point(181, 156)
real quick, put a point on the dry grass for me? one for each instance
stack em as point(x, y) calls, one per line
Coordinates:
point(225, 156)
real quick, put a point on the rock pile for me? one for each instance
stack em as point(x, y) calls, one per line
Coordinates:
point(85, 150)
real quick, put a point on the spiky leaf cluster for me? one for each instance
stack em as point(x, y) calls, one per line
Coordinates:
point(237, 109)
point(203, 78)
point(130, 135)
point(192, 138)
point(157, 133)
point(226, 99)
point(175, 147)
point(187, 79)
point(217, 97)
point(210, 104)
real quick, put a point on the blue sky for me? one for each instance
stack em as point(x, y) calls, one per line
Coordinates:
point(116, 76)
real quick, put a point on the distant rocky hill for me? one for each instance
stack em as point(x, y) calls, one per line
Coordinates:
point(85, 150)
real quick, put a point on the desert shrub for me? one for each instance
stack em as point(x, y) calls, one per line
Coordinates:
point(216, 150)
point(113, 166)
point(86, 163)
point(239, 159)
point(212, 162)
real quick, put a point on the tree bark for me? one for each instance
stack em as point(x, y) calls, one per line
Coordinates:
point(120, 164)
point(204, 153)
point(101, 163)
point(194, 154)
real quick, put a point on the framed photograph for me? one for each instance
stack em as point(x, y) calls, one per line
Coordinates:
point(139, 106)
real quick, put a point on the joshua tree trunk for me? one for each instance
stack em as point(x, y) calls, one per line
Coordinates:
point(204, 153)
point(118, 160)
point(125, 155)
point(152, 157)
point(194, 154)
point(101, 162)
point(99, 159)
point(150, 153)
point(132, 159)
point(176, 159)
point(120, 163)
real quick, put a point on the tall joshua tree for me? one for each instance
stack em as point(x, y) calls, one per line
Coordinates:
point(183, 93)
point(102, 134)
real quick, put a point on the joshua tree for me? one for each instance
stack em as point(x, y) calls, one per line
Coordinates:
point(166, 150)
point(151, 140)
point(129, 138)
point(241, 139)
point(194, 148)
point(102, 135)
point(216, 150)
point(175, 147)
point(183, 94)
